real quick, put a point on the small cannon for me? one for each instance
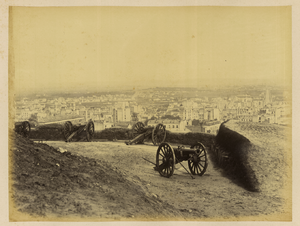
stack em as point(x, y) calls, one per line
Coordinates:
point(23, 128)
point(167, 157)
point(70, 130)
point(140, 133)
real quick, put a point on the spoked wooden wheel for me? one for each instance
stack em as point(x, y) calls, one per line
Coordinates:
point(68, 127)
point(137, 129)
point(90, 129)
point(158, 134)
point(165, 160)
point(25, 131)
point(198, 162)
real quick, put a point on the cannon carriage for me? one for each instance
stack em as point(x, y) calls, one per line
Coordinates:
point(140, 132)
point(167, 157)
point(23, 128)
point(70, 130)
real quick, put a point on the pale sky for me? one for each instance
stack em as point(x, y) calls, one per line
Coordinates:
point(68, 48)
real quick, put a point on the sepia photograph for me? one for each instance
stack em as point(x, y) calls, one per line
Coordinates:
point(149, 113)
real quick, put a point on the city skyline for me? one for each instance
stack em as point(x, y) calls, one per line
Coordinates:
point(109, 48)
point(167, 104)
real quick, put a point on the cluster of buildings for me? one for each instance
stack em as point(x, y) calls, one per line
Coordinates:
point(198, 114)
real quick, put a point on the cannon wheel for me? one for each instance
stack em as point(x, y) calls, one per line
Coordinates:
point(25, 131)
point(90, 129)
point(158, 134)
point(199, 163)
point(68, 127)
point(165, 160)
point(137, 129)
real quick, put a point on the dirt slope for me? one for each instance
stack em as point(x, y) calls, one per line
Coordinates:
point(47, 183)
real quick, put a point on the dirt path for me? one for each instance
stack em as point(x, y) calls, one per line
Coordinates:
point(211, 196)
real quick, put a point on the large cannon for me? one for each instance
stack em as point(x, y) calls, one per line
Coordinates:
point(140, 133)
point(167, 157)
point(70, 131)
point(23, 128)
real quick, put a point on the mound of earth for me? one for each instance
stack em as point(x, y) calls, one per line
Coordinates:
point(260, 154)
point(47, 132)
point(53, 184)
point(55, 132)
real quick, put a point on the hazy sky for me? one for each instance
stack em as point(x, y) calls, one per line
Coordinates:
point(69, 48)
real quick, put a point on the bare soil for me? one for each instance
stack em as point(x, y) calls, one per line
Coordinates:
point(100, 181)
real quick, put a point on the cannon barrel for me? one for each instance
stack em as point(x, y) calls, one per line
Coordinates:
point(183, 150)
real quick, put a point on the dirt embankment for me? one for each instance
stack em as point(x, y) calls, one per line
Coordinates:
point(47, 183)
point(257, 155)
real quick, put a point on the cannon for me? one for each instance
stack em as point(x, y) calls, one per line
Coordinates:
point(140, 133)
point(23, 128)
point(70, 131)
point(167, 157)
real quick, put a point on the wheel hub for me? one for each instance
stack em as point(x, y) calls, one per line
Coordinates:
point(195, 159)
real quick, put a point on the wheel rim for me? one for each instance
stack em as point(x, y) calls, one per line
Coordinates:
point(198, 163)
point(26, 129)
point(158, 134)
point(165, 160)
point(138, 128)
point(90, 131)
point(67, 129)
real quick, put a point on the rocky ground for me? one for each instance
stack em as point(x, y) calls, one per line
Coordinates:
point(99, 181)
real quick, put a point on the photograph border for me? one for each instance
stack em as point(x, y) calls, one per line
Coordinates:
point(4, 114)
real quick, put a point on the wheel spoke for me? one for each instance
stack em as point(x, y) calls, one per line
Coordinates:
point(201, 169)
point(193, 167)
point(168, 171)
point(201, 165)
point(197, 169)
point(163, 151)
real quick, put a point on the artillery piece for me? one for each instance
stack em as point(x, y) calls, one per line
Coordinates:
point(167, 157)
point(23, 128)
point(70, 130)
point(140, 133)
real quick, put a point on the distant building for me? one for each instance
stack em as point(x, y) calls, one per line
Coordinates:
point(268, 118)
point(211, 114)
point(101, 125)
point(267, 97)
point(211, 127)
point(171, 125)
point(121, 114)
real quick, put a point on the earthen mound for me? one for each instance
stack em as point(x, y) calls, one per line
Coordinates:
point(256, 155)
point(52, 182)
